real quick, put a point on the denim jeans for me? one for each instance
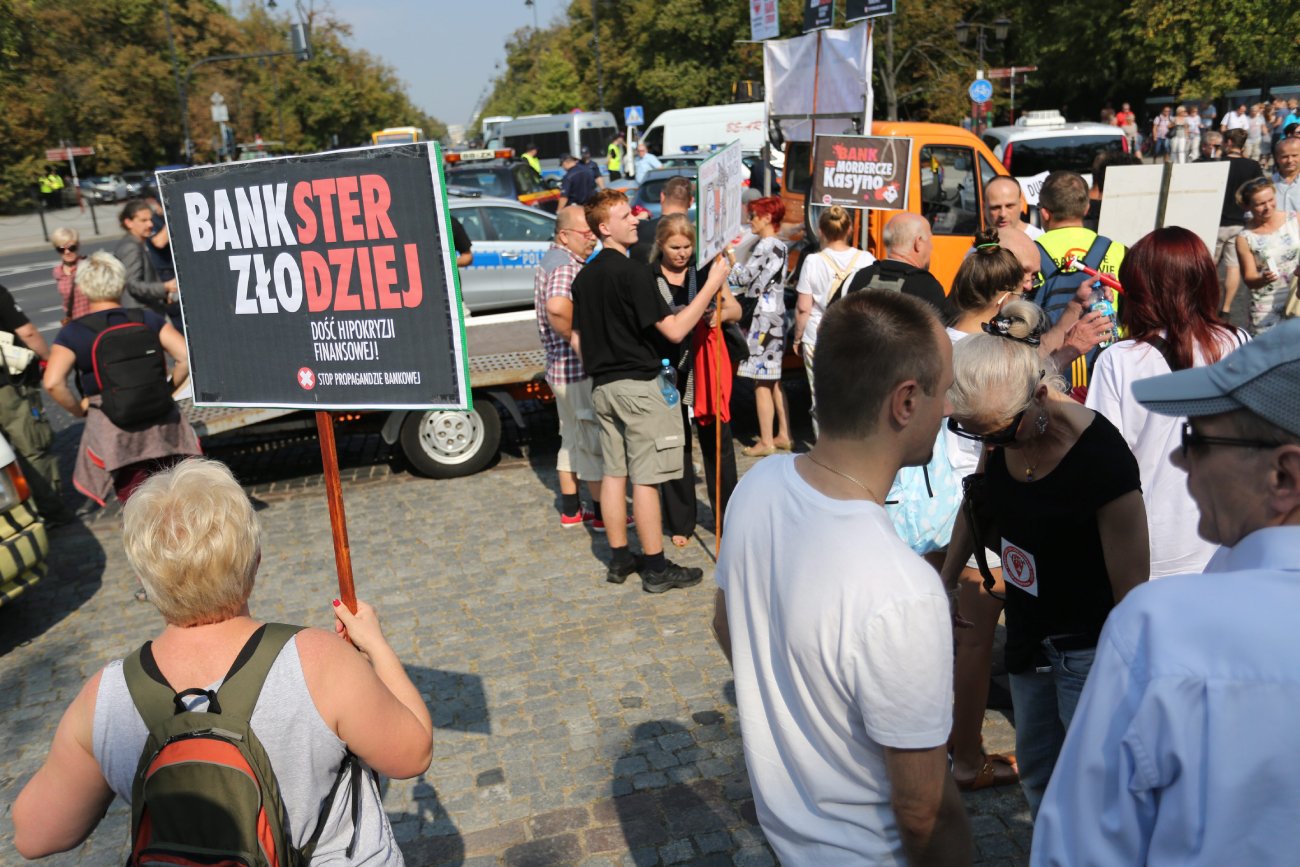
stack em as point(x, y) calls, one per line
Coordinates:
point(1044, 703)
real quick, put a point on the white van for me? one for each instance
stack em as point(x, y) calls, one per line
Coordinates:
point(558, 134)
point(706, 127)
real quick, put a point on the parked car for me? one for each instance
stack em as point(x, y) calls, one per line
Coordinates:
point(1043, 141)
point(23, 542)
point(140, 184)
point(647, 195)
point(105, 189)
point(509, 241)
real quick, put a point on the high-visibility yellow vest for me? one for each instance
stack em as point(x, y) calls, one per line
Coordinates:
point(615, 158)
point(534, 162)
point(46, 189)
point(56, 183)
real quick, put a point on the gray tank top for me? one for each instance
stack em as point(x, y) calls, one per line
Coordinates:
point(305, 755)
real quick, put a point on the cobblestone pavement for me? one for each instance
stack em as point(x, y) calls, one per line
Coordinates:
point(577, 722)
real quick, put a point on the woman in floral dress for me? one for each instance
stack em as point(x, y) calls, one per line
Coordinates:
point(1269, 253)
point(762, 278)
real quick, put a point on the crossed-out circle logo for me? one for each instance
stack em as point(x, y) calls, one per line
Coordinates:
point(1019, 565)
point(306, 378)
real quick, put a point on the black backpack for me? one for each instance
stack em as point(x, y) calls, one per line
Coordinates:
point(1058, 287)
point(204, 791)
point(129, 367)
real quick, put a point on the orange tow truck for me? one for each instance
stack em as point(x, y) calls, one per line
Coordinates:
point(949, 168)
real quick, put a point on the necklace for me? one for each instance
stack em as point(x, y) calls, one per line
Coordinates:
point(1029, 468)
point(844, 475)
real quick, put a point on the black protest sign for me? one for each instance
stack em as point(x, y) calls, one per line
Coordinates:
point(818, 14)
point(861, 171)
point(856, 10)
point(320, 282)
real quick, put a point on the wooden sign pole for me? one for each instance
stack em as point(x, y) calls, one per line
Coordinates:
point(338, 520)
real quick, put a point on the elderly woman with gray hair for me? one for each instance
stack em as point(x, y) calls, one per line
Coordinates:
point(113, 458)
point(1062, 501)
point(324, 696)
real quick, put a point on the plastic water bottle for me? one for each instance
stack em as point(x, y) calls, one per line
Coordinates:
point(1102, 305)
point(668, 383)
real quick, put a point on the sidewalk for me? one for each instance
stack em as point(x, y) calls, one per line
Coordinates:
point(21, 233)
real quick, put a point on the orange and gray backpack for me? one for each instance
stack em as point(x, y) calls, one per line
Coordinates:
point(205, 792)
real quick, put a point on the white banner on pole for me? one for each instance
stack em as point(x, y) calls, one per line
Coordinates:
point(718, 197)
point(843, 80)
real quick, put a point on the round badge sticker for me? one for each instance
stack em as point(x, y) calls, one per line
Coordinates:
point(1019, 566)
point(306, 379)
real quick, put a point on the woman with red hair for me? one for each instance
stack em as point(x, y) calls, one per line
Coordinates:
point(762, 278)
point(1170, 315)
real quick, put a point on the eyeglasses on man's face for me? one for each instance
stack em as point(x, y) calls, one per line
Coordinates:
point(1192, 438)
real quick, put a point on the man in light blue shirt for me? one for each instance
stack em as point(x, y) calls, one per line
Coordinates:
point(1185, 748)
point(645, 162)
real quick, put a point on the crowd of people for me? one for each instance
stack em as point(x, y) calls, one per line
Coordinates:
point(1000, 448)
point(862, 689)
point(1177, 133)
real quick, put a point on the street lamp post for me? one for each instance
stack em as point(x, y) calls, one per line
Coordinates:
point(1000, 27)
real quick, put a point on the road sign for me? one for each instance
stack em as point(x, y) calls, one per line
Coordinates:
point(764, 20)
point(634, 115)
point(55, 155)
point(981, 90)
point(1008, 71)
point(858, 10)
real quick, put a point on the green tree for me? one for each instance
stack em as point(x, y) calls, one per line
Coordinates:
point(99, 73)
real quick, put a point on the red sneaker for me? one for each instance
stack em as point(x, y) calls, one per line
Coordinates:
point(576, 520)
point(598, 525)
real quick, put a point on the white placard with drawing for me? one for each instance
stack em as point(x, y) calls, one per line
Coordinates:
point(718, 192)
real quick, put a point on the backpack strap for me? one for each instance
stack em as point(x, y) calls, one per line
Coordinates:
point(157, 701)
point(98, 322)
point(242, 684)
point(1159, 344)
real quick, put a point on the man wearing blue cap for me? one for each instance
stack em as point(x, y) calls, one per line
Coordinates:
point(1185, 748)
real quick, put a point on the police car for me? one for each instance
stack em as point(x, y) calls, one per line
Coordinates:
point(497, 173)
point(509, 240)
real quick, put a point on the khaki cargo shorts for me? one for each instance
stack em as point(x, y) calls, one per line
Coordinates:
point(641, 436)
point(579, 430)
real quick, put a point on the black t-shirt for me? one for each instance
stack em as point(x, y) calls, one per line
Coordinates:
point(1053, 523)
point(615, 307)
point(1240, 170)
point(578, 185)
point(916, 281)
point(645, 239)
point(460, 238)
point(11, 316)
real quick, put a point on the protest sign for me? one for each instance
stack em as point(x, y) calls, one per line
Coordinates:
point(861, 171)
point(319, 282)
point(718, 192)
point(818, 15)
point(1141, 198)
point(764, 20)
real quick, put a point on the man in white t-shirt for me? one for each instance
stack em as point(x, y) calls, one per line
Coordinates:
point(839, 636)
point(1236, 119)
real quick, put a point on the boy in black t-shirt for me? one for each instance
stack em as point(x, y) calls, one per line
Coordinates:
point(618, 316)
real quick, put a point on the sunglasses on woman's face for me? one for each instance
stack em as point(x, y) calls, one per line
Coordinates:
point(1002, 437)
point(71, 248)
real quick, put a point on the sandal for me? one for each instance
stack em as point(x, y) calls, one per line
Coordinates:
point(758, 451)
point(784, 445)
point(998, 770)
point(681, 541)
